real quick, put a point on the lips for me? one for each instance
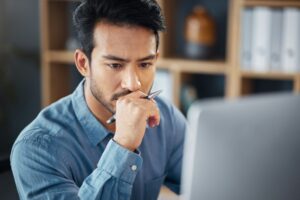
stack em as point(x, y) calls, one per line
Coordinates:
point(116, 96)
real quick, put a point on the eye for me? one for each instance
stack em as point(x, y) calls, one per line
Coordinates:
point(145, 65)
point(115, 65)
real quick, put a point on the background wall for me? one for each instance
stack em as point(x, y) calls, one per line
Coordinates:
point(19, 68)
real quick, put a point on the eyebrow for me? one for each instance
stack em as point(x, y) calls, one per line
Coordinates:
point(150, 57)
point(116, 58)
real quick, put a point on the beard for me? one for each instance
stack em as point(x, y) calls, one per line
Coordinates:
point(98, 95)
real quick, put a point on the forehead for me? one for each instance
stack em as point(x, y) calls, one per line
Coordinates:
point(118, 39)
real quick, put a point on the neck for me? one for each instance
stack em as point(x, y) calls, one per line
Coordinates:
point(98, 110)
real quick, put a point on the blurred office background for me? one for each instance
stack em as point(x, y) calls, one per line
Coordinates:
point(202, 77)
point(19, 78)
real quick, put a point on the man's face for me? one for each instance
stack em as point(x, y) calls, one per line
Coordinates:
point(122, 61)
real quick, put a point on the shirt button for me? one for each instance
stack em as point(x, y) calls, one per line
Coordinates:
point(133, 167)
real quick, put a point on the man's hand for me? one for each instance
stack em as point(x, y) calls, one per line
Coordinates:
point(132, 115)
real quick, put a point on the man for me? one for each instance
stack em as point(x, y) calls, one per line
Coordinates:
point(70, 152)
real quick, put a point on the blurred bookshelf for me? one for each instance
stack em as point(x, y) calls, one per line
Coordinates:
point(225, 67)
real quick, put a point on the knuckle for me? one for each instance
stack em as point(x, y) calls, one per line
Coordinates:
point(126, 101)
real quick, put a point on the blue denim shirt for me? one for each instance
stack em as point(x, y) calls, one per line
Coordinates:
point(65, 153)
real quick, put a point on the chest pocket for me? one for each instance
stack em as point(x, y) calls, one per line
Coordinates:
point(152, 187)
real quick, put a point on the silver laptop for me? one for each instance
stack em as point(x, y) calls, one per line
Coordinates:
point(248, 149)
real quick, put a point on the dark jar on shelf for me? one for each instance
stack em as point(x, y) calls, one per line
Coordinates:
point(200, 34)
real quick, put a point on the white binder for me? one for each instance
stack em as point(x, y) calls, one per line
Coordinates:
point(246, 54)
point(291, 42)
point(276, 39)
point(261, 35)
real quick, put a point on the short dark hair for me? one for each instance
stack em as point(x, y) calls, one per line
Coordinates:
point(144, 13)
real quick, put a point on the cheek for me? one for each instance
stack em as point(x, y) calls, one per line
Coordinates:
point(106, 81)
point(147, 79)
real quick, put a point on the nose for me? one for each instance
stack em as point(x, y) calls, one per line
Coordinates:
point(131, 80)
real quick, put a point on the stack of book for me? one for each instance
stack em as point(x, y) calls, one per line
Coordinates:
point(270, 39)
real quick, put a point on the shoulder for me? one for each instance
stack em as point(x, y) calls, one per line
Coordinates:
point(36, 151)
point(49, 129)
point(40, 144)
point(53, 118)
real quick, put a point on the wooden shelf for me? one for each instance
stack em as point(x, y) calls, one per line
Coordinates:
point(190, 66)
point(276, 3)
point(66, 57)
point(269, 75)
point(66, 0)
point(297, 84)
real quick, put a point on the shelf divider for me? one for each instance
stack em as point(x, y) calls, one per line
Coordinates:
point(275, 3)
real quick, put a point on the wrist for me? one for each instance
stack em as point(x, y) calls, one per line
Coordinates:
point(123, 143)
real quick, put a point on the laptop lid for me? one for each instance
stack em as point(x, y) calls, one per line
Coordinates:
point(248, 149)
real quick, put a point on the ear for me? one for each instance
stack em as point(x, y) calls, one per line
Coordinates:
point(82, 63)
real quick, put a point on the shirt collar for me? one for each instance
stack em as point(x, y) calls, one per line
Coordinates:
point(95, 131)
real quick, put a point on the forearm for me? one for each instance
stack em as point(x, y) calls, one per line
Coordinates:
point(36, 178)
